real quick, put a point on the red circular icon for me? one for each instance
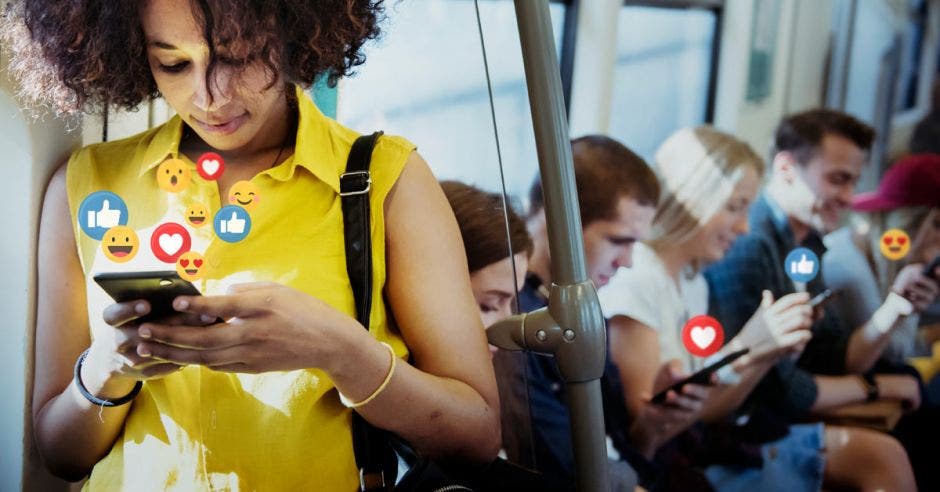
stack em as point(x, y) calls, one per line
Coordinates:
point(703, 336)
point(169, 241)
point(210, 166)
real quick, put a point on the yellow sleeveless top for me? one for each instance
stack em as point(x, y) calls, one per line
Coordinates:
point(199, 429)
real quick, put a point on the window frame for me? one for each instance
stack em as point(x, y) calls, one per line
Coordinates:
point(716, 7)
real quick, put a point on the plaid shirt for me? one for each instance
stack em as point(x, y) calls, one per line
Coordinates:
point(755, 263)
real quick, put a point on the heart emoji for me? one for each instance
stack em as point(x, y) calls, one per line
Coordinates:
point(888, 240)
point(168, 241)
point(902, 240)
point(184, 262)
point(210, 166)
point(702, 336)
point(171, 243)
point(197, 262)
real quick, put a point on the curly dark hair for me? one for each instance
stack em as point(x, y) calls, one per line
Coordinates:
point(85, 55)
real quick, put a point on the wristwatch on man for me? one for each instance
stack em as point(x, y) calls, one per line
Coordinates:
point(871, 386)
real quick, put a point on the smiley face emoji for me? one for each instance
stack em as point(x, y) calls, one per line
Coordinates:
point(244, 194)
point(120, 244)
point(196, 215)
point(173, 175)
point(191, 266)
point(895, 244)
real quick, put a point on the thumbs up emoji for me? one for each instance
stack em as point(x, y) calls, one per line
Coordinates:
point(802, 265)
point(100, 211)
point(233, 225)
point(105, 218)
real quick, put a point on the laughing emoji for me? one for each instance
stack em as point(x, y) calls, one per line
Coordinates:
point(244, 194)
point(173, 175)
point(191, 266)
point(196, 215)
point(120, 244)
point(895, 244)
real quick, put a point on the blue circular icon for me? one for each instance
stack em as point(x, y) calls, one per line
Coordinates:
point(802, 265)
point(101, 211)
point(232, 223)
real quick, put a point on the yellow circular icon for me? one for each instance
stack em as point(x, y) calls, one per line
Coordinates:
point(895, 244)
point(244, 194)
point(196, 215)
point(120, 244)
point(191, 266)
point(173, 175)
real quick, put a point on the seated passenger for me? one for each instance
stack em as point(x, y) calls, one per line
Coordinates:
point(908, 199)
point(480, 216)
point(263, 400)
point(818, 158)
point(617, 195)
point(709, 180)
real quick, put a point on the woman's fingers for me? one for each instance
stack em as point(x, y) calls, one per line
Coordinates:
point(119, 313)
point(226, 307)
point(183, 356)
point(696, 391)
point(217, 336)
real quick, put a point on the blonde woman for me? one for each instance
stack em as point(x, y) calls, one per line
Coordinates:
point(709, 179)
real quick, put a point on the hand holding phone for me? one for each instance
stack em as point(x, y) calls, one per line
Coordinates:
point(930, 271)
point(157, 288)
point(702, 377)
point(823, 298)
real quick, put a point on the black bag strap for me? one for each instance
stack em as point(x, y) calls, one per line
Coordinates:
point(371, 447)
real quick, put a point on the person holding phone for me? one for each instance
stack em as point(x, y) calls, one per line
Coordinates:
point(709, 179)
point(906, 199)
point(264, 400)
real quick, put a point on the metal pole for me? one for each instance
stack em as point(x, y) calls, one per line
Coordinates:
point(579, 342)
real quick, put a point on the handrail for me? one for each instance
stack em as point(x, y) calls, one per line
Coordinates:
point(572, 326)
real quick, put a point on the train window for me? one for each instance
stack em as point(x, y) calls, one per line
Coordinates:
point(663, 73)
point(912, 48)
point(425, 80)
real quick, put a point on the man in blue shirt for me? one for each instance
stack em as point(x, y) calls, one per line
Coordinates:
point(617, 195)
point(818, 158)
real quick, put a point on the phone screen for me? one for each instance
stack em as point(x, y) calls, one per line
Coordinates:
point(158, 288)
point(700, 377)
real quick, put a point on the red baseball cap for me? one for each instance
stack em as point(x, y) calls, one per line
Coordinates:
point(913, 181)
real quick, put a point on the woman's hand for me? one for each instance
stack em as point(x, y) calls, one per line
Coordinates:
point(113, 365)
point(777, 328)
point(920, 290)
point(656, 424)
point(269, 327)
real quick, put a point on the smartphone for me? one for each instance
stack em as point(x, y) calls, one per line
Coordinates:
point(822, 298)
point(158, 288)
point(931, 268)
point(703, 376)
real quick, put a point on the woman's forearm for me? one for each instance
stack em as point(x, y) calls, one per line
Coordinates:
point(72, 433)
point(443, 417)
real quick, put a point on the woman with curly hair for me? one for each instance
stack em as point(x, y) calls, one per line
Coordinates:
point(264, 399)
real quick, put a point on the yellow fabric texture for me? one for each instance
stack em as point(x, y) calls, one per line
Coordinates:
point(199, 429)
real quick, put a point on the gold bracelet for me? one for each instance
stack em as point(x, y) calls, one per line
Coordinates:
point(388, 378)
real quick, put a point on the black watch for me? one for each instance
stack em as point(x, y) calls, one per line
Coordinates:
point(871, 386)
